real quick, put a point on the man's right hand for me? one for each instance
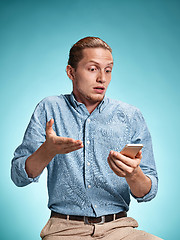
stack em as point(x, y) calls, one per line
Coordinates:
point(59, 145)
point(53, 145)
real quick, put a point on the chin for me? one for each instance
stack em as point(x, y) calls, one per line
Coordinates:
point(96, 98)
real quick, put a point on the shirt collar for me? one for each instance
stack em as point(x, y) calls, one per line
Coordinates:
point(76, 104)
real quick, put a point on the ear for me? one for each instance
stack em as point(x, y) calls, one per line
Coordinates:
point(70, 72)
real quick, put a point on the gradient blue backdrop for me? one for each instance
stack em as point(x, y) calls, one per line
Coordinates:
point(35, 39)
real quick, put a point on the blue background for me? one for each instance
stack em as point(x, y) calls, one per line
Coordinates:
point(35, 40)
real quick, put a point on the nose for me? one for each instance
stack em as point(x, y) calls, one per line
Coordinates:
point(101, 77)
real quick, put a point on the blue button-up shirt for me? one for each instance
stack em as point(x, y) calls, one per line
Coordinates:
point(81, 182)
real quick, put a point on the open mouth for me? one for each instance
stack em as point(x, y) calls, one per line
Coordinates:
point(100, 88)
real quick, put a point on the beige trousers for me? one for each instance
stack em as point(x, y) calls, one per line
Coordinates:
point(123, 228)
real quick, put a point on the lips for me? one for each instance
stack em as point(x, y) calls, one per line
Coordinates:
point(99, 89)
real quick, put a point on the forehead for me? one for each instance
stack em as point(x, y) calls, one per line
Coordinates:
point(99, 55)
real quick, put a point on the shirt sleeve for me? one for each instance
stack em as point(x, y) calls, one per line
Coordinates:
point(33, 139)
point(141, 134)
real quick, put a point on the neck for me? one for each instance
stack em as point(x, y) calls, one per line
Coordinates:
point(90, 105)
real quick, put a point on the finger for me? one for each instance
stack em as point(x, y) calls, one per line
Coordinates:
point(67, 141)
point(124, 167)
point(71, 145)
point(115, 169)
point(72, 149)
point(133, 163)
point(116, 155)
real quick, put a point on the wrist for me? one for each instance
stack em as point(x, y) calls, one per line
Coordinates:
point(48, 150)
point(139, 183)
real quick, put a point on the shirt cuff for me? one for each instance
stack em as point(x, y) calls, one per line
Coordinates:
point(21, 175)
point(26, 175)
point(153, 191)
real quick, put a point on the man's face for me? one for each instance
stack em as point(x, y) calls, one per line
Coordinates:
point(92, 76)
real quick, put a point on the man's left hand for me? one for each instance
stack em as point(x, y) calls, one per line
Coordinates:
point(124, 166)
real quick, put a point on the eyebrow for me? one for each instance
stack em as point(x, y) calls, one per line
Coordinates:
point(91, 61)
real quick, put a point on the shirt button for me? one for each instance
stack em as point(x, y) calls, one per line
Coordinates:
point(88, 120)
point(88, 142)
point(88, 163)
point(95, 206)
point(89, 186)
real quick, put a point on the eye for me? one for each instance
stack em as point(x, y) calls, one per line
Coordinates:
point(92, 69)
point(108, 70)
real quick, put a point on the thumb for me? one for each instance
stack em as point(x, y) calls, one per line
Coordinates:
point(139, 154)
point(49, 125)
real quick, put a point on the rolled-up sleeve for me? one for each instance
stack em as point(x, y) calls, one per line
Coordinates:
point(141, 134)
point(33, 139)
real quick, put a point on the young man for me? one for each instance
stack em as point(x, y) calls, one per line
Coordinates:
point(78, 137)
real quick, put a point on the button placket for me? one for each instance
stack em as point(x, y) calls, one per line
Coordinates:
point(87, 155)
point(89, 148)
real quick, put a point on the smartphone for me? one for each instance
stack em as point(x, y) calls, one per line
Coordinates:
point(131, 150)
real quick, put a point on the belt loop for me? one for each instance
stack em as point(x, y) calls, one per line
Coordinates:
point(114, 217)
point(67, 217)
